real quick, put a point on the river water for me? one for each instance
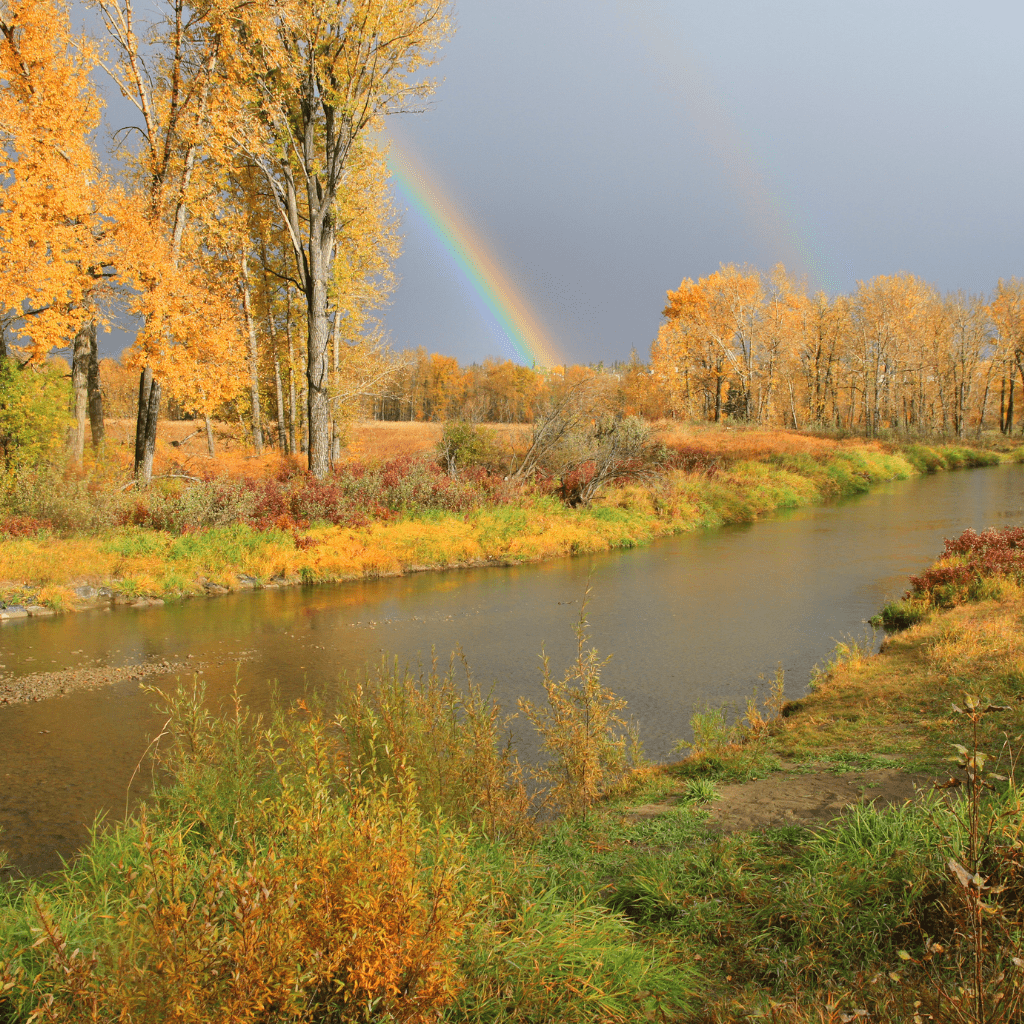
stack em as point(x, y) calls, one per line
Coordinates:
point(688, 620)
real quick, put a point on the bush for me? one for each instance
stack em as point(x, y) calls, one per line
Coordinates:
point(63, 500)
point(971, 566)
point(353, 496)
point(269, 881)
point(465, 444)
point(355, 864)
point(591, 747)
point(33, 414)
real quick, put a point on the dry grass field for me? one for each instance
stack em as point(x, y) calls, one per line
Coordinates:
point(181, 444)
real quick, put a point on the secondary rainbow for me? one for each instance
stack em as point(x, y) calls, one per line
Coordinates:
point(477, 264)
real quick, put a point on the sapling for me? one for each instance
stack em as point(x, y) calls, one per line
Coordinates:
point(591, 745)
point(989, 984)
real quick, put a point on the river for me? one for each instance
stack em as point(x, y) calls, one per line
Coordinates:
point(688, 620)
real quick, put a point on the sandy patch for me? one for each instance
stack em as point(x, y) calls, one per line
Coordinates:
point(807, 799)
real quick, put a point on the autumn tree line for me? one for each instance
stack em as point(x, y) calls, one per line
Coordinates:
point(738, 346)
point(247, 227)
point(895, 356)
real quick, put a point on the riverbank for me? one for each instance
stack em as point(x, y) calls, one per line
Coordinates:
point(403, 516)
point(425, 884)
point(814, 864)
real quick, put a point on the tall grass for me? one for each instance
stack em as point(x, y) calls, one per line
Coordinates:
point(369, 858)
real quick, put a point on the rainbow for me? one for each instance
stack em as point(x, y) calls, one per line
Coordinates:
point(776, 221)
point(527, 338)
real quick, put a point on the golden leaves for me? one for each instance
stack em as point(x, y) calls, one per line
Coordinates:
point(54, 208)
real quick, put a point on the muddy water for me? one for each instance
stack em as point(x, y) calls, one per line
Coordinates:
point(691, 619)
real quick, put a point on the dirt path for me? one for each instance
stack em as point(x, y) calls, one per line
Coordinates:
point(800, 798)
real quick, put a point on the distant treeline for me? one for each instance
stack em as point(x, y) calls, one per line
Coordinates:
point(896, 355)
point(740, 346)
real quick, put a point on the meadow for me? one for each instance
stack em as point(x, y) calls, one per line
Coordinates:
point(381, 854)
point(210, 524)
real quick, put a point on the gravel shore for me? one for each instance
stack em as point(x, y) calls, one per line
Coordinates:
point(41, 685)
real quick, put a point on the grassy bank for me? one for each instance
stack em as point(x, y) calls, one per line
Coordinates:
point(381, 855)
point(276, 527)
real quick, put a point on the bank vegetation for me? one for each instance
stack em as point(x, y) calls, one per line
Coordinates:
point(567, 485)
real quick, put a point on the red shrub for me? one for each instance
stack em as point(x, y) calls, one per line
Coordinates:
point(968, 562)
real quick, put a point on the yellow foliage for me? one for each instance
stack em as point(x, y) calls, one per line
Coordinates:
point(56, 205)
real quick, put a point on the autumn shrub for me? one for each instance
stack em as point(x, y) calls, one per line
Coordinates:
point(971, 568)
point(34, 418)
point(410, 485)
point(589, 456)
point(451, 736)
point(465, 445)
point(590, 746)
point(63, 499)
point(352, 496)
point(342, 863)
point(267, 881)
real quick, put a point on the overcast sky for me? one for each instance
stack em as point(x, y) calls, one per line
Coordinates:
point(606, 149)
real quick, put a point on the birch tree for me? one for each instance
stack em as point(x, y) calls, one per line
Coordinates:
point(319, 75)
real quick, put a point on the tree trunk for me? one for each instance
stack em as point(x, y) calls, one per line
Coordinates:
point(210, 447)
point(335, 389)
point(984, 408)
point(292, 403)
point(149, 442)
point(95, 393)
point(282, 434)
point(303, 408)
point(318, 414)
point(80, 386)
point(254, 380)
point(145, 386)
point(335, 443)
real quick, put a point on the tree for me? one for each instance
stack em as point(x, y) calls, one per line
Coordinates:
point(708, 339)
point(33, 423)
point(168, 71)
point(57, 247)
point(1006, 311)
point(318, 75)
point(888, 316)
